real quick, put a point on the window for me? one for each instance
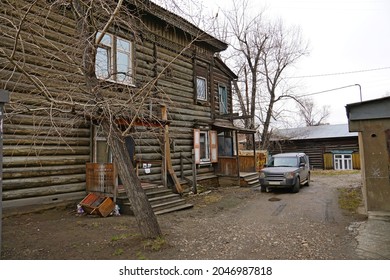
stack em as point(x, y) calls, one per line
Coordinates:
point(114, 59)
point(225, 144)
point(205, 146)
point(102, 152)
point(342, 162)
point(201, 89)
point(223, 102)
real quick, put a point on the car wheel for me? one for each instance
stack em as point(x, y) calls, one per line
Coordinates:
point(296, 186)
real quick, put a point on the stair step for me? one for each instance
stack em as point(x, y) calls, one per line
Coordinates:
point(164, 198)
point(158, 192)
point(168, 204)
point(173, 209)
point(249, 179)
point(161, 199)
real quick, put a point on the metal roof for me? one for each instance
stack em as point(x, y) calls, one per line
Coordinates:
point(369, 110)
point(314, 132)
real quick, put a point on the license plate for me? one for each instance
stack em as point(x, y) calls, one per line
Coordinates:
point(274, 183)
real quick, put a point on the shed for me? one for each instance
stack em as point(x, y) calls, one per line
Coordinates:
point(371, 119)
point(328, 146)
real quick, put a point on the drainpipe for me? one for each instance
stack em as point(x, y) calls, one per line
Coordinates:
point(4, 98)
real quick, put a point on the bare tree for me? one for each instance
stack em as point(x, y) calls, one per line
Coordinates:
point(310, 114)
point(263, 51)
point(69, 85)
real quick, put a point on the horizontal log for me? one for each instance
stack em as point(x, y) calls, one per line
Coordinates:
point(40, 150)
point(34, 182)
point(11, 139)
point(48, 120)
point(29, 172)
point(45, 130)
point(44, 160)
point(44, 200)
point(43, 191)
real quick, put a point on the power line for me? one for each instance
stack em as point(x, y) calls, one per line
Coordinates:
point(333, 89)
point(339, 73)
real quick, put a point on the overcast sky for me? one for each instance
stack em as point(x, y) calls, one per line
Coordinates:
point(349, 43)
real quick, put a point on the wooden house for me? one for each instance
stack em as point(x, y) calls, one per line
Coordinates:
point(46, 151)
point(328, 146)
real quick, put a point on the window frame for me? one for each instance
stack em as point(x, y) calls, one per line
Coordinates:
point(198, 96)
point(113, 49)
point(210, 145)
point(342, 161)
point(99, 137)
point(223, 99)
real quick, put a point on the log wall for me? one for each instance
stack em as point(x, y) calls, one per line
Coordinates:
point(316, 148)
point(45, 151)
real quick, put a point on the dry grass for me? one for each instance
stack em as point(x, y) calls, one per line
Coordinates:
point(350, 199)
point(334, 172)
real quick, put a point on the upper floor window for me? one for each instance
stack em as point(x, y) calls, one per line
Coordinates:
point(114, 59)
point(223, 100)
point(201, 88)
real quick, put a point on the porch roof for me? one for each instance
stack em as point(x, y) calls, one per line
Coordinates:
point(225, 124)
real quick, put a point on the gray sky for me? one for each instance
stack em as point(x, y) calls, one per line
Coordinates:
point(349, 43)
point(346, 36)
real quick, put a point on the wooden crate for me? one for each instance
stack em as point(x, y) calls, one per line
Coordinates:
point(97, 204)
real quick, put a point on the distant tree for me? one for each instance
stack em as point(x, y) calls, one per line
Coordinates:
point(262, 53)
point(310, 114)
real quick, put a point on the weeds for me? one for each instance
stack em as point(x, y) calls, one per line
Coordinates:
point(334, 172)
point(155, 244)
point(350, 199)
point(118, 252)
point(141, 256)
point(119, 237)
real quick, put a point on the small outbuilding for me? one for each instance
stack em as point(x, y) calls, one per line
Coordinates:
point(328, 146)
point(371, 119)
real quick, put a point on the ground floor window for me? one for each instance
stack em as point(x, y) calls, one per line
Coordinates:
point(225, 144)
point(342, 161)
point(205, 146)
point(102, 152)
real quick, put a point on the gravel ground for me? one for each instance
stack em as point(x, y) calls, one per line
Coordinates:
point(225, 223)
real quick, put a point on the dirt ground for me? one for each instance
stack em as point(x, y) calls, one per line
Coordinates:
point(225, 223)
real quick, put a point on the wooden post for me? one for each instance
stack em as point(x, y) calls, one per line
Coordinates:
point(181, 167)
point(4, 98)
point(164, 117)
point(194, 183)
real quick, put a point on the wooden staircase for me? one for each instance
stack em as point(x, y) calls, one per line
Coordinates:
point(249, 179)
point(162, 200)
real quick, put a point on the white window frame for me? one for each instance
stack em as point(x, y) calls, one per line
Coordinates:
point(206, 157)
point(342, 161)
point(111, 72)
point(210, 144)
point(201, 89)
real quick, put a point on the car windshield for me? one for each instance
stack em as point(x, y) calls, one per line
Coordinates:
point(284, 162)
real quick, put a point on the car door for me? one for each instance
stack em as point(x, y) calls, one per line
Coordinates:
point(303, 168)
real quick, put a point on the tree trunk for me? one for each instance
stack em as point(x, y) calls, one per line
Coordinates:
point(143, 212)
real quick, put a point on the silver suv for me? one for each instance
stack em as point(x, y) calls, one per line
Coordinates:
point(288, 170)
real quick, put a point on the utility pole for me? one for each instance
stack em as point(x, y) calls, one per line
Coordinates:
point(4, 98)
